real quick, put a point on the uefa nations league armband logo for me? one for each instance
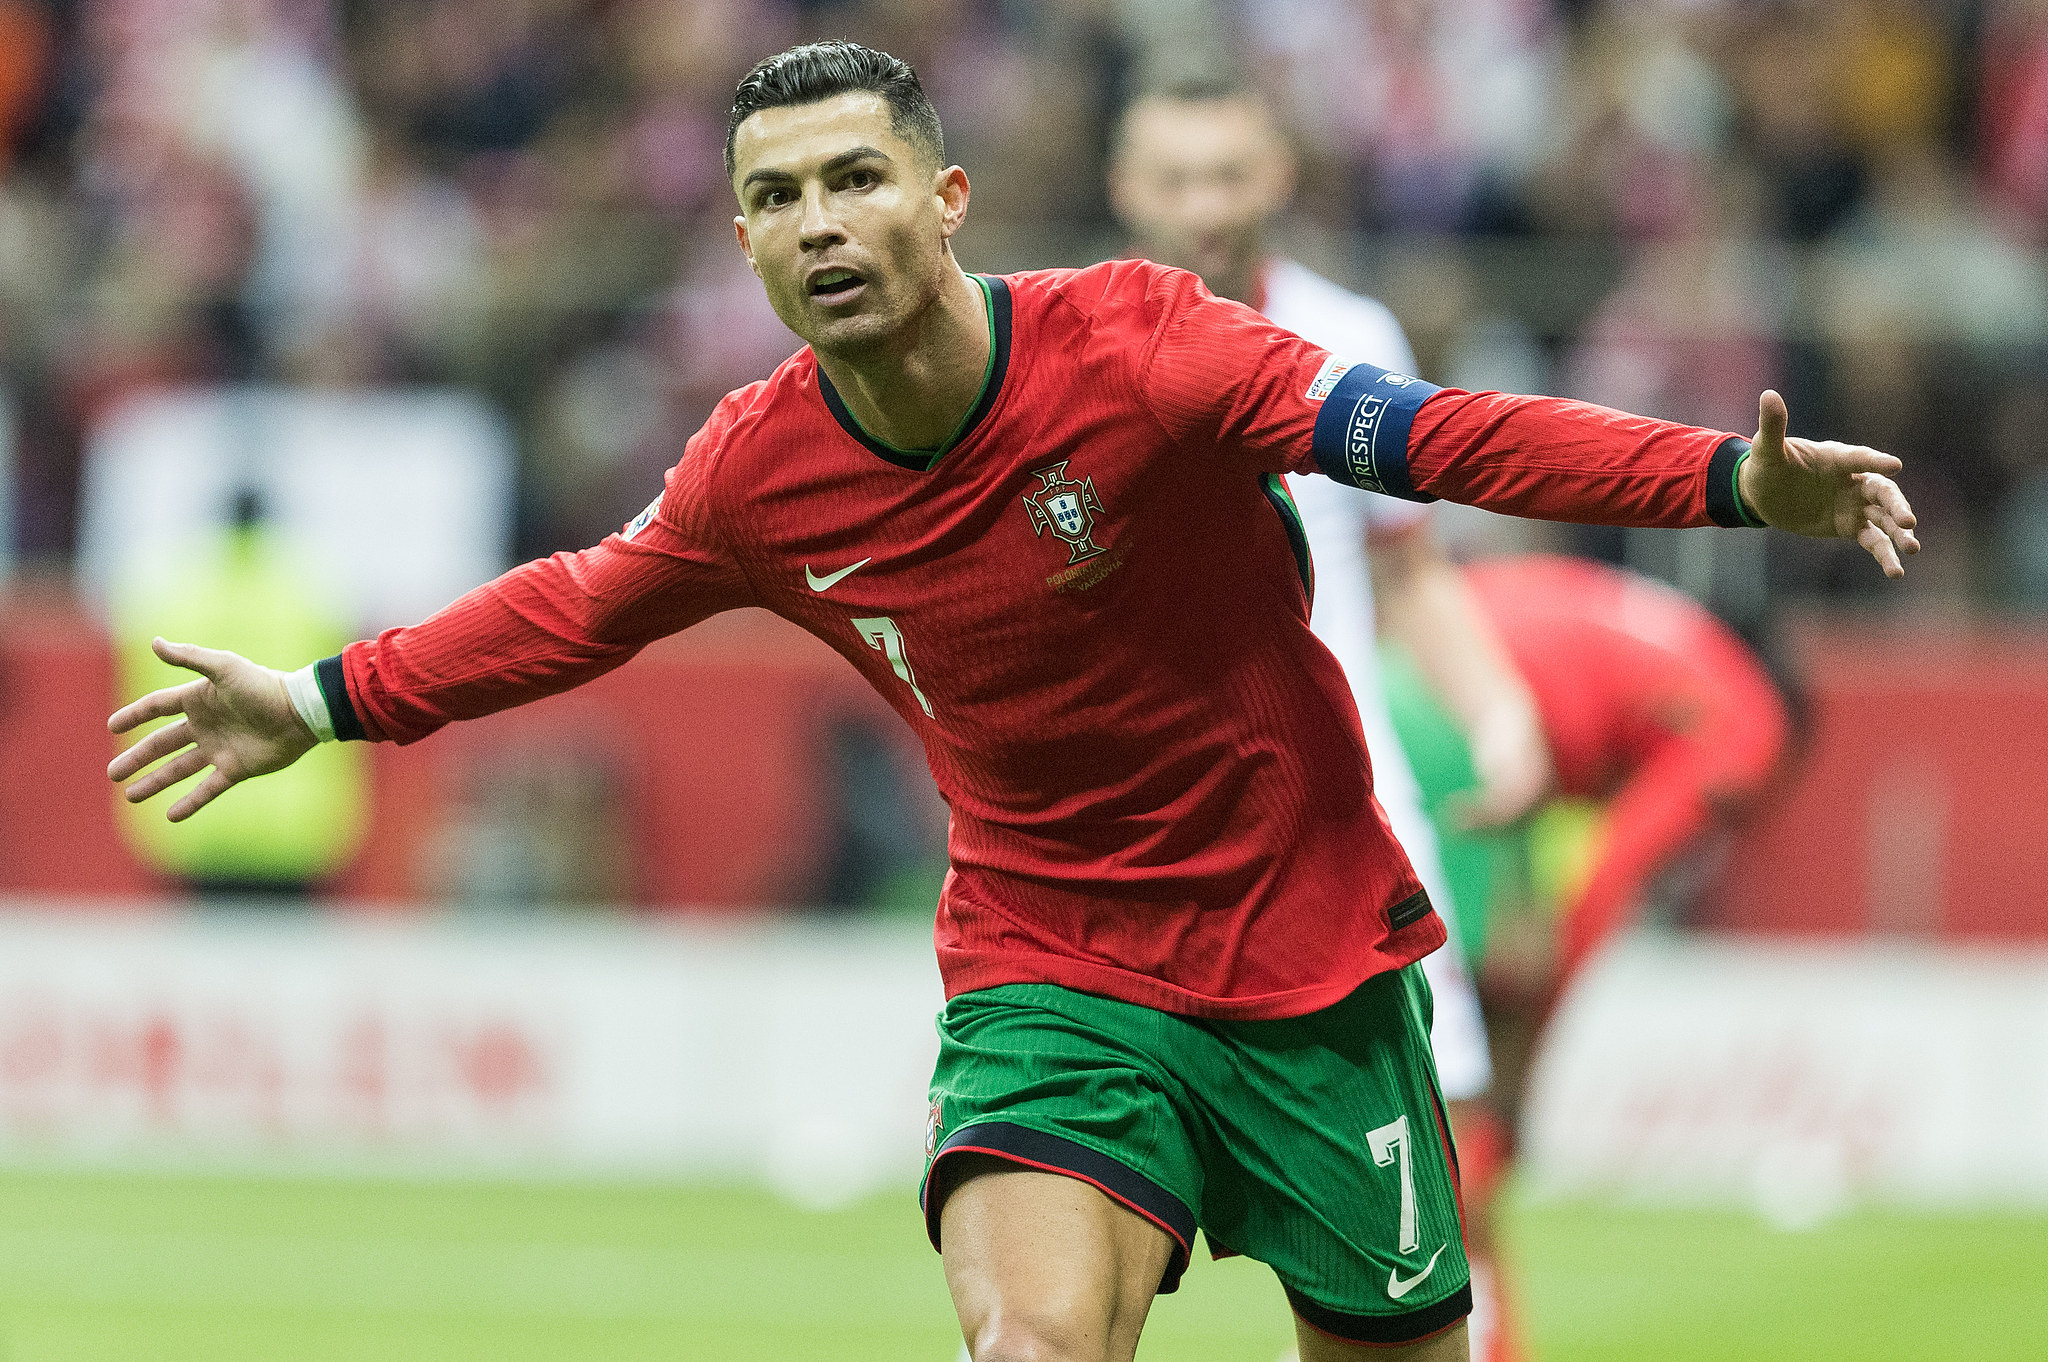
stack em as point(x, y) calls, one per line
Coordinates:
point(1067, 508)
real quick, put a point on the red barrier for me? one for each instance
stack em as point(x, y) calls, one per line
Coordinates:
point(57, 832)
point(1921, 804)
point(695, 775)
point(705, 756)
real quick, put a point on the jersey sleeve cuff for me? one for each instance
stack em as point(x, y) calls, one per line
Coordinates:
point(1361, 433)
point(304, 690)
point(347, 726)
point(1725, 506)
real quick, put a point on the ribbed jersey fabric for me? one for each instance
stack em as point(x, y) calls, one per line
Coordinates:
point(1090, 609)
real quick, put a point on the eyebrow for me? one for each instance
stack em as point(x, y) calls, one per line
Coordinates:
point(839, 162)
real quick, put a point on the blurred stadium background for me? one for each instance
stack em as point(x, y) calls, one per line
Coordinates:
point(600, 1029)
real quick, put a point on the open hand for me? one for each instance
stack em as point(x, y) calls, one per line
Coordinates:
point(1827, 490)
point(238, 718)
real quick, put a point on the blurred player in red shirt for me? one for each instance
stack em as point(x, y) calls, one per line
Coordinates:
point(1651, 706)
point(1045, 515)
point(1656, 714)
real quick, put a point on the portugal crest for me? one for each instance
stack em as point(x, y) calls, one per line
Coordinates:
point(1067, 508)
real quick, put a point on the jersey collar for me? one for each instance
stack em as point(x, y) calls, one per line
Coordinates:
point(995, 297)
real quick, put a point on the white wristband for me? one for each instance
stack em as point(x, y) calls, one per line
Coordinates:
point(304, 688)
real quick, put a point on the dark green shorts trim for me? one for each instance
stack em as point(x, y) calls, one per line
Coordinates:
point(1043, 1150)
point(1384, 1331)
point(1315, 1144)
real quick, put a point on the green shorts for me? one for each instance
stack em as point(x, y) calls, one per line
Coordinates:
point(1315, 1144)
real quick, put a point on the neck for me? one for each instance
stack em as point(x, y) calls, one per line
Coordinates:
point(914, 391)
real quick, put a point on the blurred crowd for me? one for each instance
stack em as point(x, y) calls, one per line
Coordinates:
point(1665, 205)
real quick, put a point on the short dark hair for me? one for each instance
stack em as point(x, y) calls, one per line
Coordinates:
point(818, 71)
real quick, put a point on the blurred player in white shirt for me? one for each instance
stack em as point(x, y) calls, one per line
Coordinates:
point(1199, 174)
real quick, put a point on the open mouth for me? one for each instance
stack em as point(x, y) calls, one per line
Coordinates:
point(835, 286)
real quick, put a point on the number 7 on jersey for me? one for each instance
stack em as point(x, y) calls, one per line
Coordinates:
point(882, 634)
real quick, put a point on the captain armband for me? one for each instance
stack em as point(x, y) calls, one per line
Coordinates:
point(1361, 433)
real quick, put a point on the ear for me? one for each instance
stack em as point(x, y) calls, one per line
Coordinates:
point(952, 190)
point(739, 229)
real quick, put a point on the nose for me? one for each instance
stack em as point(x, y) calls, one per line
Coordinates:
point(819, 228)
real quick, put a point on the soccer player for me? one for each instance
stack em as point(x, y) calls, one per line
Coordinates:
point(1650, 706)
point(1200, 171)
point(1038, 512)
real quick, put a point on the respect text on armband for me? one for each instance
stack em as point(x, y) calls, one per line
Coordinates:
point(1361, 433)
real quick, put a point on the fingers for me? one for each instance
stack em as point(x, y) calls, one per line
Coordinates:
point(199, 796)
point(161, 743)
point(1770, 418)
point(185, 765)
point(1887, 512)
point(208, 662)
point(1829, 456)
point(159, 704)
point(1884, 495)
point(1879, 546)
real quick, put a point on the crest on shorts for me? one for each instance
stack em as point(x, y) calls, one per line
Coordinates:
point(1067, 508)
point(932, 1126)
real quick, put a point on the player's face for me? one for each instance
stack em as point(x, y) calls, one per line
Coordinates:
point(845, 222)
point(1196, 181)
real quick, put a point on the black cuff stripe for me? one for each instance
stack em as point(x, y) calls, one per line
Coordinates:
point(1724, 507)
point(1411, 1327)
point(1057, 1154)
point(334, 690)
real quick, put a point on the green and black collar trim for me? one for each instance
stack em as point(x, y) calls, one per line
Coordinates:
point(996, 299)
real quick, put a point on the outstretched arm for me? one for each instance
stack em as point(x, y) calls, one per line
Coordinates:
point(237, 718)
point(1217, 375)
point(1552, 459)
point(536, 631)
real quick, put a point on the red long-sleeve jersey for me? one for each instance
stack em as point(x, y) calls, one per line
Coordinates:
point(1092, 605)
point(1648, 702)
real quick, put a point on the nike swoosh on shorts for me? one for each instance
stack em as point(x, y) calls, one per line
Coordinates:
point(1396, 1288)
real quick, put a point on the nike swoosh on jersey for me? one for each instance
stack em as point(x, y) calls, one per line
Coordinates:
point(830, 580)
point(1396, 1288)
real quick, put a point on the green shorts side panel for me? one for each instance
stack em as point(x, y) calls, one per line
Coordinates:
point(1341, 1172)
point(1315, 1144)
point(1085, 1068)
point(1474, 863)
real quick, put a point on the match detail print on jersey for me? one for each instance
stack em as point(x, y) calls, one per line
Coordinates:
point(1361, 434)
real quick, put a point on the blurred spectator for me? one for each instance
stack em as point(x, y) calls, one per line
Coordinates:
point(1433, 109)
point(2013, 109)
point(2020, 529)
point(1661, 203)
point(25, 52)
point(1690, 334)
